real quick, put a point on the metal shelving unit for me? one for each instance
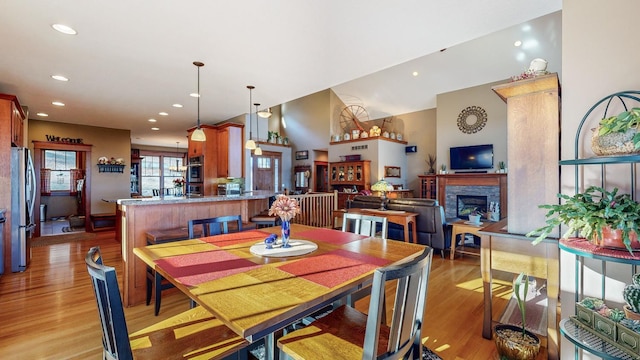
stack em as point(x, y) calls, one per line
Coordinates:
point(581, 337)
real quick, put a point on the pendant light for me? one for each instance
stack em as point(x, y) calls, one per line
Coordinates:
point(258, 150)
point(178, 167)
point(265, 114)
point(198, 133)
point(250, 144)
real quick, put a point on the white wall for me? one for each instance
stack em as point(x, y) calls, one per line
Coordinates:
point(599, 57)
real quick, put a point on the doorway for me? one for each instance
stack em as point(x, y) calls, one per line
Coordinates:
point(267, 171)
point(321, 176)
point(79, 188)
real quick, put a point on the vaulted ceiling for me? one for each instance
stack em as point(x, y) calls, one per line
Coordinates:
point(131, 60)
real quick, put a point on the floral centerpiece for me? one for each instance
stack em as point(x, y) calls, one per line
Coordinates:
point(382, 186)
point(286, 209)
point(178, 182)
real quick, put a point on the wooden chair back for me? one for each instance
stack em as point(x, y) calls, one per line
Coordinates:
point(411, 298)
point(195, 333)
point(215, 226)
point(115, 336)
point(365, 224)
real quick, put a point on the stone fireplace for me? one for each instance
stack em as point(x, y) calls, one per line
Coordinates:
point(466, 204)
point(492, 187)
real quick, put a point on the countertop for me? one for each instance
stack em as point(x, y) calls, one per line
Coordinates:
point(169, 199)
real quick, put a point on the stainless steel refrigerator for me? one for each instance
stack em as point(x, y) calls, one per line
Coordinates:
point(23, 193)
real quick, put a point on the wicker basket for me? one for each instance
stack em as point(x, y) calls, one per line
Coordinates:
point(613, 143)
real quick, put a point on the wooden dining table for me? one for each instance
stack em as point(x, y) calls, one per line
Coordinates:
point(258, 295)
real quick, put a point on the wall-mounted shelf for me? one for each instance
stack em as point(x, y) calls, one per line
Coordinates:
point(109, 168)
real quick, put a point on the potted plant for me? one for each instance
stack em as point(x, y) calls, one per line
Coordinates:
point(502, 167)
point(516, 342)
point(431, 161)
point(605, 218)
point(631, 295)
point(443, 169)
point(617, 134)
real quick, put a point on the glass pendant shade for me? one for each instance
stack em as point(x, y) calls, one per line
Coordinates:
point(265, 114)
point(250, 144)
point(198, 134)
point(258, 151)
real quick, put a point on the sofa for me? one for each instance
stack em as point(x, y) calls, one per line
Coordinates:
point(430, 222)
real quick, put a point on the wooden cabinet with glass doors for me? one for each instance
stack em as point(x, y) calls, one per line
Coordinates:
point(349, 178)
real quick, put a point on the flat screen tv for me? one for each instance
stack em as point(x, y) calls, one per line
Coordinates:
point(469, 158)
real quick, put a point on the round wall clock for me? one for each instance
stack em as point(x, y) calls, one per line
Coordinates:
point(472, 119)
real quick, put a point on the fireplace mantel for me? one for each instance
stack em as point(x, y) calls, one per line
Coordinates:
point(473, 179)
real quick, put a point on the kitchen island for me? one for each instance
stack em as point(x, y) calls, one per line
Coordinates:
point(137, 216)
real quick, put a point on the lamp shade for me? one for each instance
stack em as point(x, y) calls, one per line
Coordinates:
point(198, 135)
point(382, 185)
point(265, 113)
point(258, 151)
point(250, 144)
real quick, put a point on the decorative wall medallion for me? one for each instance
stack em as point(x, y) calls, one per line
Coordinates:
point(472, 127)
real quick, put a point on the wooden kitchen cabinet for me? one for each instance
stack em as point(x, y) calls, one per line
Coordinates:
point(14, 118)
point(222, 154)
point(230, 150)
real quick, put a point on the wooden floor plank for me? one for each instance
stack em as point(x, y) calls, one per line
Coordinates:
point(48, 312)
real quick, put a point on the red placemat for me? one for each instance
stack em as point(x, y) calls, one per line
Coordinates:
point(333, 268)
point(235, 238)
point(194, 269)
point(331, 236)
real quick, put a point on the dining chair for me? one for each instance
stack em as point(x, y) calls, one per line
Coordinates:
point(215, 226)
point(210, 226)
point(193, 333)
point(156, 192)
point(346, 333)
point(365, 224)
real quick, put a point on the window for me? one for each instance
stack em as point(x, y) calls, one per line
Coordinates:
point(61, 170)
point(158, 173)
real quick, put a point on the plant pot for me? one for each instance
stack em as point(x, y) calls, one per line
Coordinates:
point(613, 239)
point(613, 143)
point(512, 345)
point(629, 314)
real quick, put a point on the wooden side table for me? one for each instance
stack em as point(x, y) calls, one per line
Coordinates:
point(461, 227)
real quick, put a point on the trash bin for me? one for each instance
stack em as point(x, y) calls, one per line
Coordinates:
point(43, 212)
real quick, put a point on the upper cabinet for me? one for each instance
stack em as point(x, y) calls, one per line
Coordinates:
point(221, 154)
point(230, 150)
point(12, 118)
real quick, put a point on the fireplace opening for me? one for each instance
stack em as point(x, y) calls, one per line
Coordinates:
point(466, 204)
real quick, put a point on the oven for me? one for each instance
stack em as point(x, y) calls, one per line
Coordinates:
point(195, 169)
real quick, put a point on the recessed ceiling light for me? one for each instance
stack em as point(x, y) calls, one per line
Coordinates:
point(64, 29)
point(42, 114)
point(415, 73)
point(59, 77)
point(177, 105)
point(194, 95)
point(152, 120)
point(155, 128)
point(162, 113)
point(57, 103)
point(517, 43)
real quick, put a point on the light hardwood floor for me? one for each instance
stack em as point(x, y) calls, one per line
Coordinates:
point(49, 311)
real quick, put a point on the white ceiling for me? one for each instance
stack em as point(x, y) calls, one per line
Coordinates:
point(133, 59)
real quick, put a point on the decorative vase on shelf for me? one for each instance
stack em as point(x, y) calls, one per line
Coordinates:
point(286, 231)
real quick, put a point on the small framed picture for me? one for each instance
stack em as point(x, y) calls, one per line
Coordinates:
point(302, 155)
point(392, 171)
